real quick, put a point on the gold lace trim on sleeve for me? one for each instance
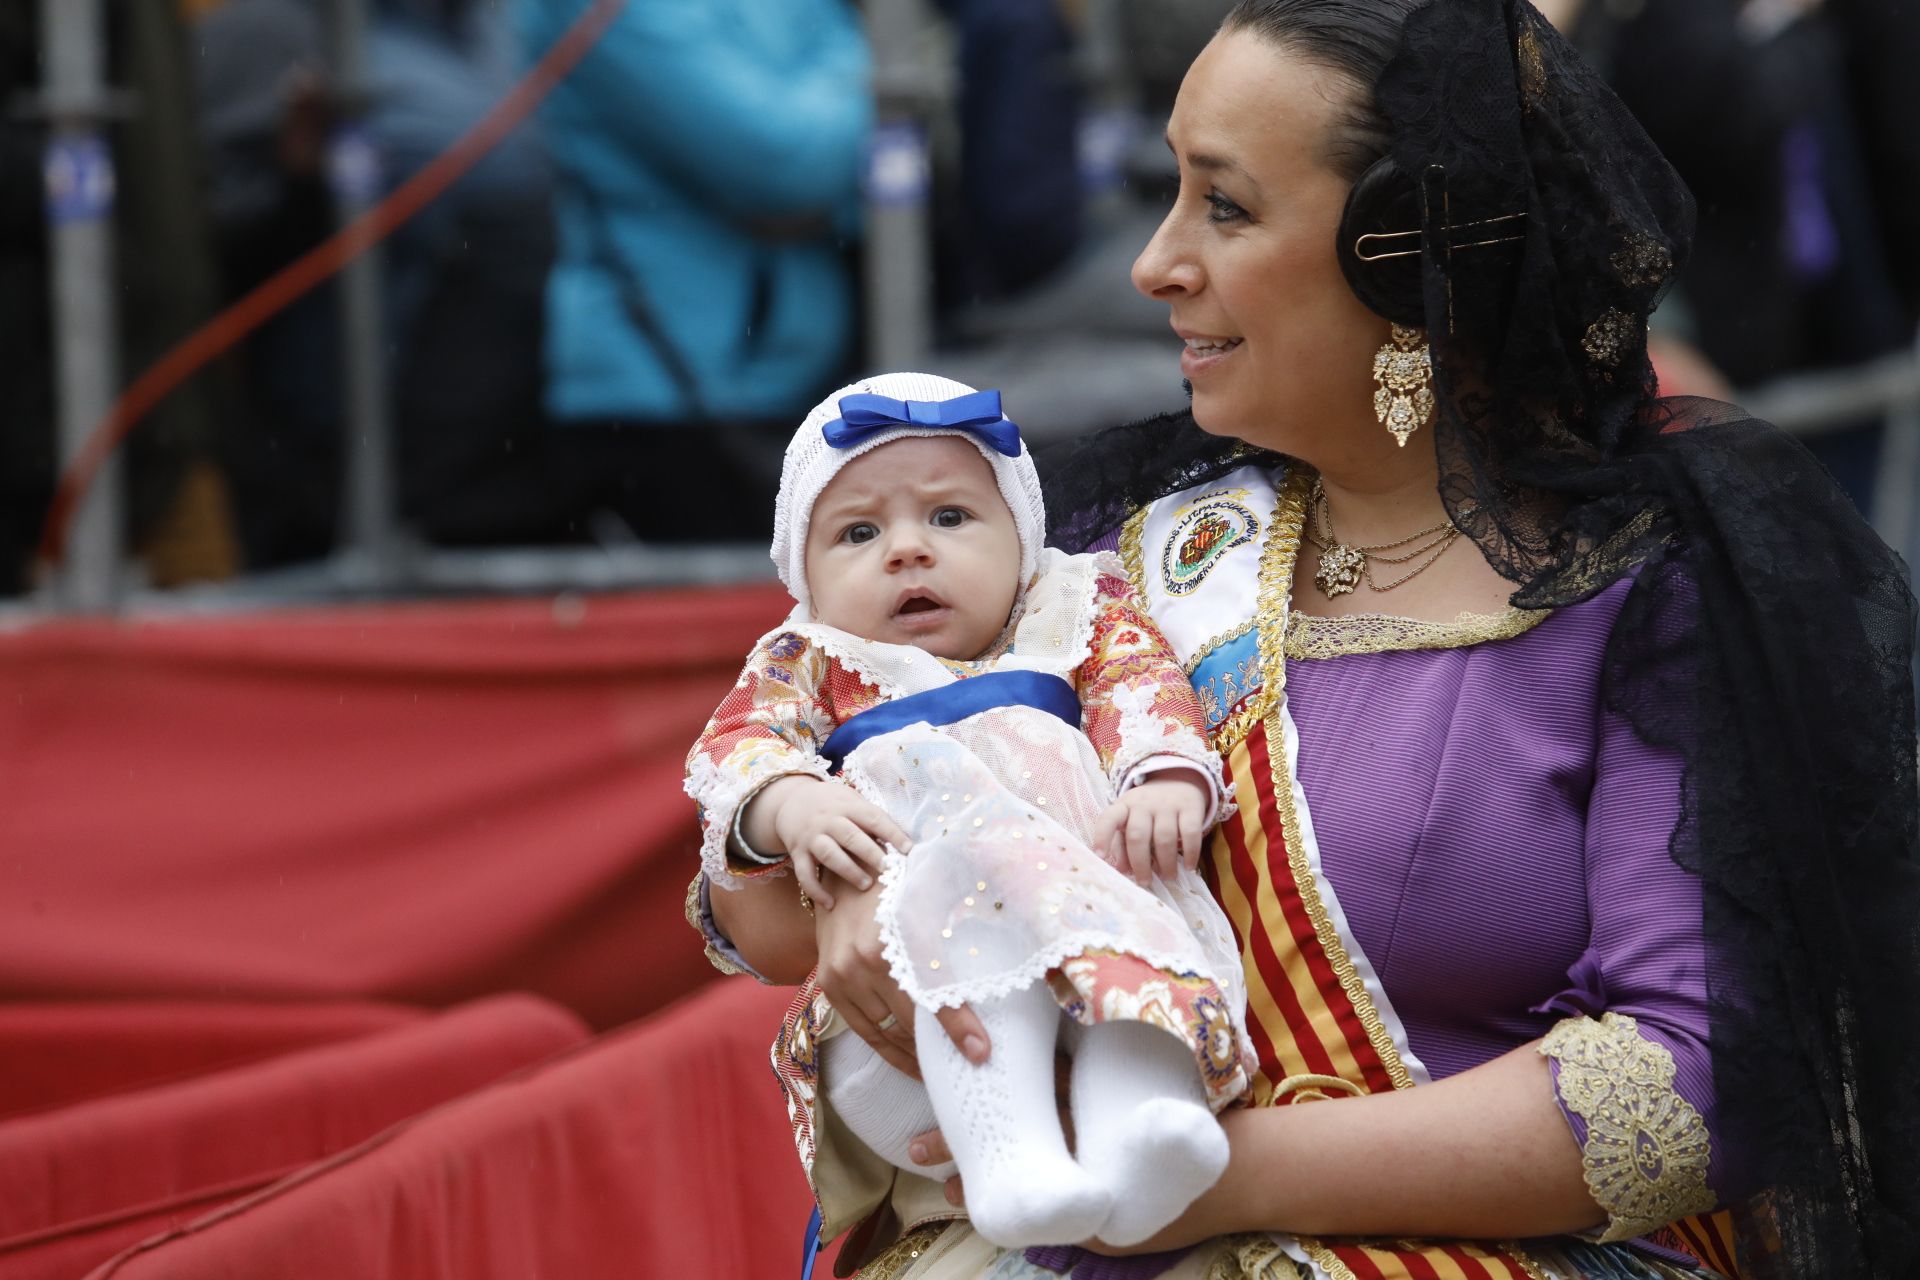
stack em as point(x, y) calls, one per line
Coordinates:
point(714, 957)
point(1311, 637)
point(1647, 1149)
point(1132, 558)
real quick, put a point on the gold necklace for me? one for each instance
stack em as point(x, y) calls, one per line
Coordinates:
point(1343, 566)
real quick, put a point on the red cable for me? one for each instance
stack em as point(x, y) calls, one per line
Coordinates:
point(198, 349)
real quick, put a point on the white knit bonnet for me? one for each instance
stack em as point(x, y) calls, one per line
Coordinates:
point(811, 462)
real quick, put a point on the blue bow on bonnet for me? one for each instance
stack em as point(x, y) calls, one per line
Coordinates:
point(977, 413)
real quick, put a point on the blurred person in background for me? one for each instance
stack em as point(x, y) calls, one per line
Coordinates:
point(1018, 213)
point(177, 517)
point(708, 161)
point(1751, 101)
point(466, 279)
point(1882, 39)
point(266, 113)
point(463, 306)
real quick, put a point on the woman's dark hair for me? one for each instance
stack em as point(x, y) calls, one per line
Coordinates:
point(1355, 40)
point(1359, 42)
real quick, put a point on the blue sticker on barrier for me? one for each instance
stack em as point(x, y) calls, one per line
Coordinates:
point(353, 166)
point(1104, 141)
point(898, 171)
point(80, 179)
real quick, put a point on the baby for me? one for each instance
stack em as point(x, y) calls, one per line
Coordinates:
point(990, 728)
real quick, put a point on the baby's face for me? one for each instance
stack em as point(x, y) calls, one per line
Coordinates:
point(911, 543)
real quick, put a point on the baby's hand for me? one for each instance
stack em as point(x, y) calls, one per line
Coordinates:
point(1156, 826)
point(827, 826)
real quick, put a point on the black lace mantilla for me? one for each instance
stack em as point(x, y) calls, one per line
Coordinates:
point(1767, 636)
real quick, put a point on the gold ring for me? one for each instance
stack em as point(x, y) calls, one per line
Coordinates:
point(888, 1023)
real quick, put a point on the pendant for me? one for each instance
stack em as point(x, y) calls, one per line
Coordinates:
point(1339, 571)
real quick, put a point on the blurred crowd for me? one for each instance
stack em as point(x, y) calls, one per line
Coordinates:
point(606, 330)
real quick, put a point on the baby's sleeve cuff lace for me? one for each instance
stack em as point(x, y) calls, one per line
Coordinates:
point(723, 793)
point(1203, 762)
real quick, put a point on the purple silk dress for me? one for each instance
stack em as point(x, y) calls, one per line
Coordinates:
point(1499, 841)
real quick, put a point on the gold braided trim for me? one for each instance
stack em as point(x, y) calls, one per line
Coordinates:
point(1533, 1269)
point(1316, 909)
point(714, 958)
point(1325, 1259)
point(1254, 1258)
point(1310, 637)
point(1276, 587)
point(902, 1253)
point(1132, 558)
point(1270, 609)
point(1647, 1150)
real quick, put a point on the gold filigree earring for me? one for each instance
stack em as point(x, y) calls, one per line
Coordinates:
point(1403, 381)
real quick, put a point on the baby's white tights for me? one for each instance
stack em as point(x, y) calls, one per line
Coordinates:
point(1142, 1127)
point(1001, 1120)
point(1147, 1143)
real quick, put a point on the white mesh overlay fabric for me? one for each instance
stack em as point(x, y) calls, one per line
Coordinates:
point(811, 462)
point(1000, 886)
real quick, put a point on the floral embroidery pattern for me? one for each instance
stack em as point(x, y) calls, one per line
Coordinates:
point(1109, 986)
point(1138, 702)
point(796, 1063)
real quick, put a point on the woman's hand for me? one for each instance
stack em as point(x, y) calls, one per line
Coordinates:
point(855, 976)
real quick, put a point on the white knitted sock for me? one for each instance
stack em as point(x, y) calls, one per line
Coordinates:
point(1141, 1126)
point(885, 1107)
point(1002, 1123)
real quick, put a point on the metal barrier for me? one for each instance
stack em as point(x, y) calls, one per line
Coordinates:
point(377, 559)
point(1810, 405)
point(80, 196)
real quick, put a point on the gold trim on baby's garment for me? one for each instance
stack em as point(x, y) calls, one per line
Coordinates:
point(904, 1253)
point(1647, 1149)
point(1310, 636)
point(695, 919)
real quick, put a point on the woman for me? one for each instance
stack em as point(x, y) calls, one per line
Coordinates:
point(1571, 728)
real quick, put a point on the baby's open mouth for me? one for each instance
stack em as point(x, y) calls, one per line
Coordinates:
point(917, 603)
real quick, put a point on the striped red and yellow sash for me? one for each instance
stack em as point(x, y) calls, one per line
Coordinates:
point(1318, 1032)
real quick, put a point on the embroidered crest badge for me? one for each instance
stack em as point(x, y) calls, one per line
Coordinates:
point(1214, 525)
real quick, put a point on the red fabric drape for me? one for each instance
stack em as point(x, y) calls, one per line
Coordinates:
point(659, 1150)
point(80, 1182)
point(418, 803)
point(238, 846)
point(58, 1054)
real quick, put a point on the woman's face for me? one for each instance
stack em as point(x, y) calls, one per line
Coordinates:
point(1278, 350)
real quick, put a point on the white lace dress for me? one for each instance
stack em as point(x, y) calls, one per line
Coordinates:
point(1001, 889)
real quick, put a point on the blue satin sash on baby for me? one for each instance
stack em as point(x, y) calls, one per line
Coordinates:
point(952, 703)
